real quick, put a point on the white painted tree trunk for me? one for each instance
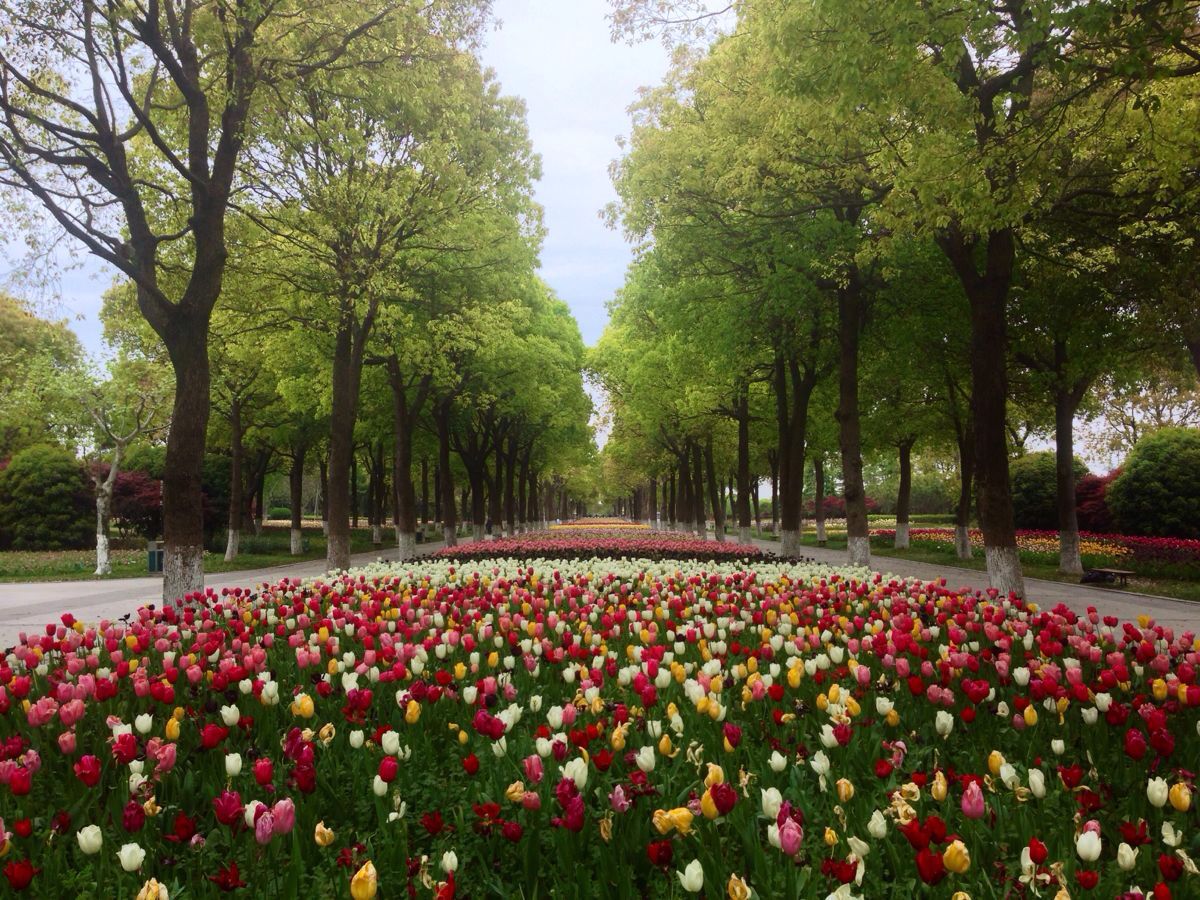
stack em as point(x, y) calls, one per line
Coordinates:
point(744, 534)
point(1069, 560)
point(183, 572)
point(103, 564)
point(406, 546)
point(477, 531)
point(858, 551)
point(325, 527)
point(821, 536)
point(232, 540)
point(1004, 570)
point(337, 553)
point(962, 541)
point(258, 525)
point(297, 542)
point(449, 536)
point(901, 542)
point(789, 542)
point(377, 534)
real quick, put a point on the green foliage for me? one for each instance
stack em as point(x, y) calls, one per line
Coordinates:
point(45, 501)
point(1035, 490)
point(1158, 490)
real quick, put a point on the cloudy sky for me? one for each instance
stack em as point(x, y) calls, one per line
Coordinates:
point(578, 84)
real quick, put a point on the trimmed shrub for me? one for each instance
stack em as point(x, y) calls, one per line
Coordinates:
point(279, 512)
point(1035, 490)
point(137, 504)
point(46, 501)
point(1158, 490)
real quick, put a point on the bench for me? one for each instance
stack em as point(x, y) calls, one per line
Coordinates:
point(1108, 575)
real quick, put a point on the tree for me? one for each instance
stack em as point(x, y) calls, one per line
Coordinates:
point(124, 123)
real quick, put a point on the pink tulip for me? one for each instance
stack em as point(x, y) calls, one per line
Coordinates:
point(284, 813)
point(66, 742)
point(790, 837)
point(972, 801)
point(534, 771)
point(264, 828)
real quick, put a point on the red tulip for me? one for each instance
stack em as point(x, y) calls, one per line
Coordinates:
point(227, 878)
point(388, 769)
point(228, 807)
point(930, 866)
point(212, 734)
point(1037, 851)
point(19, 874)
point(471, 764)
point(661, 853)
point(125, 747)
point(264, 770)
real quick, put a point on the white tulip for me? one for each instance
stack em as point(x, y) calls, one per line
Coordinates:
point(877, 826)
point(356, 738)
point(131, 856)
point(233, 764)
point(379, 786)
point(943, 723)
point(230, 715)
point(251, 812)
point(390, 742)
point(1088, 846)
point(1170, 836)
point(144, 723)
point(1037, 783)
point(1156, 792)
point(645, 759)
point(577, 771)
point(449, 862)
point(820, 762)
point(777, 762)
point(1090, 714)
point(1058, 746)
point(772, 800)
point(692, 878)
point(1126, 857)
point(554, 717)
point(535, 702)
point(858, 846)
point(470, 694)
point(883, 705)
point(773, 836)
point(90, 839)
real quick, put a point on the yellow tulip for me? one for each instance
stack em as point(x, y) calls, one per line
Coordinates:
point(322, 835)
point(664, 745)
point(365, 883)
point(1180, 796)
point(412, 712)
point(1159, 688)
point(957, 858)
point(845, 790)
point(172, 730)
point(1031, 716)
point(708, 806)
point(662, 821)
point(152, 890)
point(995, 761)
point(681, 818)
point(515, 792)
point(303, 707)
point(831, 837)
point(794, 675)
point(893, 718)
point(939, 788)
point(737, 889)
point(716, 775)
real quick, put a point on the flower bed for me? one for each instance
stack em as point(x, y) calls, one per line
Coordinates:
point(1150, 553)
point(588, 543)
point(527, 729)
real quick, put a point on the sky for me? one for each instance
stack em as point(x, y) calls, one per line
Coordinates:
point(578, 84)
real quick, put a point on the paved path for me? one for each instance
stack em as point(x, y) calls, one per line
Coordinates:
point(1182, 615)
point(29, 606)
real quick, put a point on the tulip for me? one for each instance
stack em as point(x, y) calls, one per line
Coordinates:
point(1037, 783)
point(943, 723)
point(152, 890)
point(323, 836)
point(877, 825)
point(230, 715)
point(692, 878)
point(1180, 796)
point(449, 862)
point(845, 790)
point(1088, 846)
point(1157, 792)
point(790, 837)
point(365, 883)
point(90, 839)
point(777, 762)
point(144, 723)
point(1126, 857)
point(645, 759)
point(131, 857)
point(233, 765)
point(772, 800)
point(939, 789)
point(956, 858)
point(737, 888)
point(356, 738)
point(390, 742)
point(973, 806)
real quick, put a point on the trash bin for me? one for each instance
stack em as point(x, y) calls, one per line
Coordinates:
point(154, 554)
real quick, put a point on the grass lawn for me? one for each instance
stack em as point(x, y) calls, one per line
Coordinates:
point(271, 548)
point(1162, 587)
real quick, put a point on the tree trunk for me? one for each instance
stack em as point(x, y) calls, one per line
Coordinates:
point(904, 495)
point(481, 490)
point(445, 478)
point(510, 497)
point(754, 500)
point(966, 482)
point(236, 485)
point(672, 502)
point(652, 512)
point(773, 461)
point(523, 490)
point(402, 436)
point(1066, 404)
point(260, 495)
point(988, 297)
point(819, 498)
point(378, 496)
point(714, 493)
point(743, 467)
point(296, 496)
point(347, 372)
point(699, 513)
point(104, 493)
point(791, 408)
point(354, 497)
point(858, 535)
point(424, 507)
point(183, 495)
point(324, 472)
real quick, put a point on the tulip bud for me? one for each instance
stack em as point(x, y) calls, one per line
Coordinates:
point(233, 764)
point(356, 738)
point(1157, 792)
point(1037, 783)
point(1126, 857)
point(1088, 846)
point(90, 839)
point(449, 862)
point(943, 723)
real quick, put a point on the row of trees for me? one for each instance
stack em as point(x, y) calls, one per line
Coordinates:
point(322, 215)
point(943, 223)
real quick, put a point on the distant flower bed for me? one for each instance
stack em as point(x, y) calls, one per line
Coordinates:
point(1113, 548)
point(605, 524)
point(535, 729)
point(580, 543)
